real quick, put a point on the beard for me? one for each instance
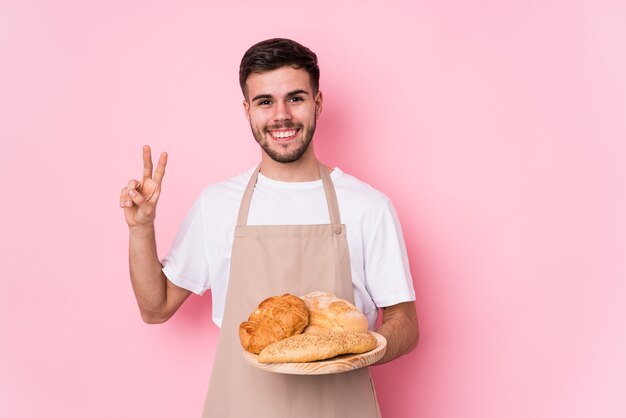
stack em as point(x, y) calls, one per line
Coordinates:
point(261, 137)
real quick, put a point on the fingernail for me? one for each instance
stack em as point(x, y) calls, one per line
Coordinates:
point(132, 192)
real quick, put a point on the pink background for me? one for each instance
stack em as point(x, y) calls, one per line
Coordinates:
point(498, 129)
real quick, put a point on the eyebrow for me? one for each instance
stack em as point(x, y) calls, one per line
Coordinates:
point(269, 96)
point(300, 91)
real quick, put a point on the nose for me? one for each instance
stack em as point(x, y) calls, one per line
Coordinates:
point(281, 112)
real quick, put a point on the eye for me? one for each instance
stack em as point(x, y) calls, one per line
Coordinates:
point(264, 102)
point(296, 99)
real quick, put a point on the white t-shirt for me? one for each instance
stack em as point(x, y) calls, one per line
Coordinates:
point(200, 256)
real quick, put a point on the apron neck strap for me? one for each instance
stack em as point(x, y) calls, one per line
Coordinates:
point(329, 189)
point(331, 196)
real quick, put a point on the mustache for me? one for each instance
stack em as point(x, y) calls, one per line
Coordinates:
point(284, 125)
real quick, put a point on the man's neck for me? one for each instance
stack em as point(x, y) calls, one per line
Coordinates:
point(304, 169)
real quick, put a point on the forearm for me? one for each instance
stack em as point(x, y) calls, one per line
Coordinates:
point(148, 281)
point(400, 329)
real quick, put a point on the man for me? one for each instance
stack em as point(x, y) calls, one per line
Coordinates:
point(291, 225)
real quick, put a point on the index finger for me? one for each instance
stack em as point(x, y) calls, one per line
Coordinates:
point(147, 162)
point(160, 169)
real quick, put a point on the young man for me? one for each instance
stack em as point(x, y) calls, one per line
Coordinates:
point(291, 225)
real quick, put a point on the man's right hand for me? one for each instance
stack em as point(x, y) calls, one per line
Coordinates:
point(139, 198)
point(157, 297)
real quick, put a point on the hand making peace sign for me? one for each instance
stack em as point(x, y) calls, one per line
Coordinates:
point(139, 199)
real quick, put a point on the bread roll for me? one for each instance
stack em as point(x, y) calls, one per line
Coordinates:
point(330, 313)
point(277, 317)
point(316, 346)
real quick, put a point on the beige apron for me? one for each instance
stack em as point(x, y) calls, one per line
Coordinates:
point(272, 260)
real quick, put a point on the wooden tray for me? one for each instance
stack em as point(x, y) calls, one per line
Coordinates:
point(339, 364)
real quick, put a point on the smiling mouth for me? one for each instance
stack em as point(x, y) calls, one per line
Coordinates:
point(283, 135)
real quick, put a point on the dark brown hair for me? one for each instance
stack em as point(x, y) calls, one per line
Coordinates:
point(275, 53)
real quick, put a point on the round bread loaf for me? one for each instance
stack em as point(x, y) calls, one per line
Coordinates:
point(277, 317)
point(327, 312)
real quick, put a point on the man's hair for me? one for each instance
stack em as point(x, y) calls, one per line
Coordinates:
point(275, 53)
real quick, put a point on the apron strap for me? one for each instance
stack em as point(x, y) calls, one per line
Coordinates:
point(331, 196)
point(244, 208)
point(329, 189)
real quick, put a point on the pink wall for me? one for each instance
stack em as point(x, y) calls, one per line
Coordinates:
point(496, 127)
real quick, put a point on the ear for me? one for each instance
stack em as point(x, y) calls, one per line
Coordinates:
point(246, 109)
point(319, 101)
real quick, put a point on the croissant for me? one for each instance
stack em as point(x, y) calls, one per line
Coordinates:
point(276, 318)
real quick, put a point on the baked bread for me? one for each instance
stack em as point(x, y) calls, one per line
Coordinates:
point(330, 313)
point(316, 346)
point(277, 317)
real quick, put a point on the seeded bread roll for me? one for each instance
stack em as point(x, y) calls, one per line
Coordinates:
point(330, 313)
point(277, 317)
point(316, 346)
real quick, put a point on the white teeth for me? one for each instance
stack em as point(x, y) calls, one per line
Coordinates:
point(285, 134)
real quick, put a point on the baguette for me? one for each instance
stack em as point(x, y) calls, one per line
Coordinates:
point(303, 348)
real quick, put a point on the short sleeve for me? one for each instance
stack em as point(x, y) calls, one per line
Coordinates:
point(186, 263)
point(387, 274)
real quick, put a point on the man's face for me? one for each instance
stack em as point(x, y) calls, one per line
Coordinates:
point(282, 109)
